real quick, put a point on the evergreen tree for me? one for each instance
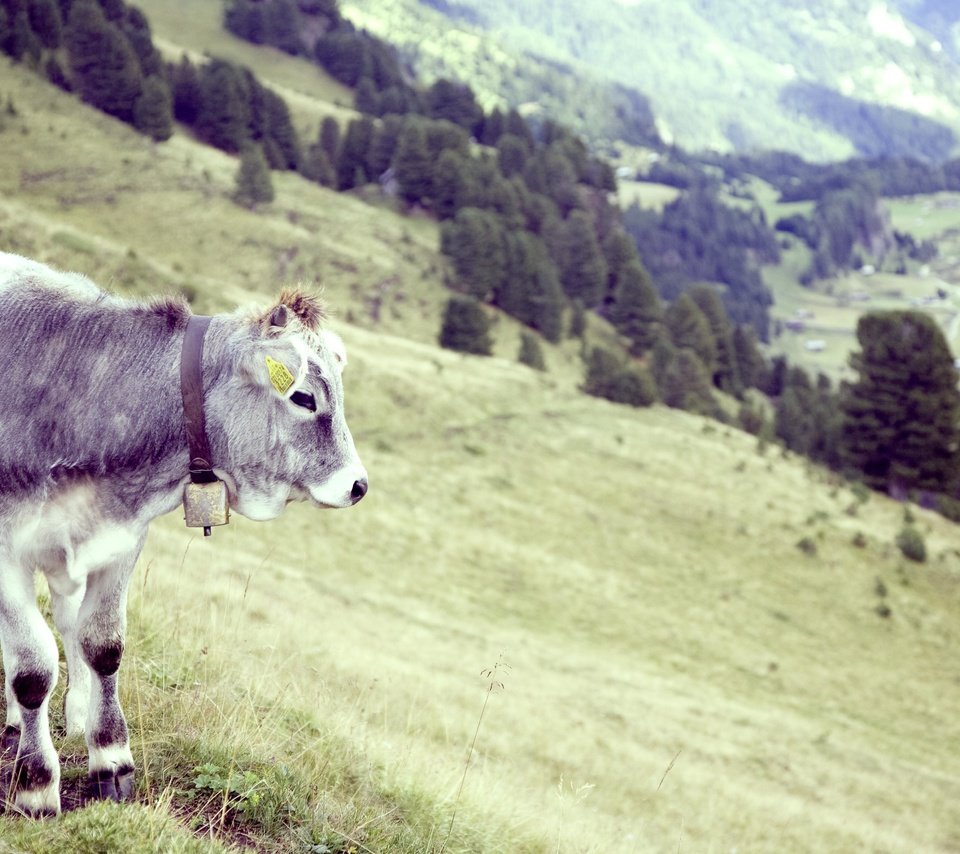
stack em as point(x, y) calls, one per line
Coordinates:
point(105, 69)
point(253, 182)
point(608, 377)
point(224, 117)
point(454, 102)
point(559, 178)
point(726, 370)
point(153, 110)
point(529, 289)
point(687, 384)
point(412, 164)
point(512, 153)
point(750, 361)
point(283, 25)
point(136, 29)
point(636, 311)
point(23, 44)
point(365, 99)
point(187, 93)
point(386, 136)
point(46, 22)
point(466, 327)
point(689, 329)
point(344, 55)
point(450, 184)
point(618, 251)
point(476, 243)
point(279, 129)
point(901, 416)
point(330, 137)
point(317, 167)
point(352, 162)
point(493, 128)
point(583, 270)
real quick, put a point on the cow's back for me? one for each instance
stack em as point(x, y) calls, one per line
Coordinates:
point(89, 380)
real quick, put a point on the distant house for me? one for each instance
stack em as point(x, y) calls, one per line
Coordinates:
point(796, 325)
point(815, 345)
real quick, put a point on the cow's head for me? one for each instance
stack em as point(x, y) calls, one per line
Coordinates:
point(275, 415)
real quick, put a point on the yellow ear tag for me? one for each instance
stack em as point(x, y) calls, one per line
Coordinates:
point(280, 376)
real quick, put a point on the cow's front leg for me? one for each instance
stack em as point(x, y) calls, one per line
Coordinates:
point(66, 613)
point(30, 662)
point(100, 632)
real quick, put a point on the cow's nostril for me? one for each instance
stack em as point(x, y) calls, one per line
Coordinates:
point(359, 489)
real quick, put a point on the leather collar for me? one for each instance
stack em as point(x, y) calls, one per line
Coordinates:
point(191, 389)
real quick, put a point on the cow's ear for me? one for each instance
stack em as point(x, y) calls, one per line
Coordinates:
point(335, 343)
point(276, 320)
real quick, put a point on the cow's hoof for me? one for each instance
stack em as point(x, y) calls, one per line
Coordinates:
point(111, 784)
point(43, 802)
point(10, 740)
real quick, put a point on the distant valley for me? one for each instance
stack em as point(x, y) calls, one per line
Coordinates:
point(828, 80)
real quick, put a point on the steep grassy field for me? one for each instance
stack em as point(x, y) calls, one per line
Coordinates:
point(595, 621)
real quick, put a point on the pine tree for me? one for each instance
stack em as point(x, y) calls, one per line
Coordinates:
point(750, 361)
point(454, 102)
point(153, 111)
point(187, 93)
point(317, 167)
point(412, 163)
point(689, 329)
point(583, 270)
point(450, 184)
point(476, 243)
point(512, 153)
point(726, 370)
point(901, 416)
point(23, 45)
point(105, 69)
point(466, 327)
point(224, 117)
point(352, 162)
point(253, 182)
point(386, 135)
point(618, 251)
point(636, 311)
point(529, 289)
point(46, 22)
point(330, 137)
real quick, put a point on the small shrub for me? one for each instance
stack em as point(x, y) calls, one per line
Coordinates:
point(911, 544)
point(860, 540)
point(466, 327)
point(807, 546)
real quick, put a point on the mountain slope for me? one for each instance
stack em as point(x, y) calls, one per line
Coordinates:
point(715, 71)
point(681, 673)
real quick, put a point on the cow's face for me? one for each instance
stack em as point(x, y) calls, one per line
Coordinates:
point(282, 419)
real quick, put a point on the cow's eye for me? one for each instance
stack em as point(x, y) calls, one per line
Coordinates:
point(304, 399)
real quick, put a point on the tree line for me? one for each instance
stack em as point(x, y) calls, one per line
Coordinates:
point(110, 59)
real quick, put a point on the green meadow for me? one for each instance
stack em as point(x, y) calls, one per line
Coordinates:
point(554, 624)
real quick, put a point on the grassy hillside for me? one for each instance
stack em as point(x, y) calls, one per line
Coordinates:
point(676, 672)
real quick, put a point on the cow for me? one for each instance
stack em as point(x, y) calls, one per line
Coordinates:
point(94, 445)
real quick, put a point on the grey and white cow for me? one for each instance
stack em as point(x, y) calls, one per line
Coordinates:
point(93, 447)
